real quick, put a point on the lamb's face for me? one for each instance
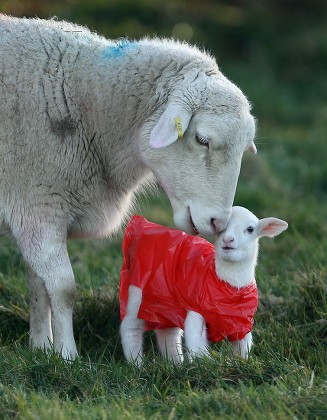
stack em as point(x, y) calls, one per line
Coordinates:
point(238, 242)
point(197, 157)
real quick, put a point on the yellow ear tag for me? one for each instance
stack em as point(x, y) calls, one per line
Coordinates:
point(179, 127)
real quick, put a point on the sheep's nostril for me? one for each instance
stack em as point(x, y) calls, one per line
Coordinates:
point(214, 226)
point(218, 225)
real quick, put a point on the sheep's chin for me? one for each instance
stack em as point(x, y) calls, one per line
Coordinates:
point(184, 221)
point(193, 225)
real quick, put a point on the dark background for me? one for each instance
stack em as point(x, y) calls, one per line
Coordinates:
point(282, 43)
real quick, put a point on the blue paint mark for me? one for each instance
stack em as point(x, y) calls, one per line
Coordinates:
point(119, 49)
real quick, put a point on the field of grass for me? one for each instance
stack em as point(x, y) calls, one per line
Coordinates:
point(286, 375)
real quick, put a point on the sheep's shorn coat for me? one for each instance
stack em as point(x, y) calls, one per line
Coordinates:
point(84, 122)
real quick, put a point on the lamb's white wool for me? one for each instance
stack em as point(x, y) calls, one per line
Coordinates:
point(236, 258)
point(84, 122)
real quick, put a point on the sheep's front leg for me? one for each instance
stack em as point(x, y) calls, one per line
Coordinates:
point(243, 347)
point(195, 333)
point(44, 248)
point(40, 313)
point(170, 343)
point(132, 328)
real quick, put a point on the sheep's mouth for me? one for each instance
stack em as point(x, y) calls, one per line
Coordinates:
point(193, 225)
point(227, 248)
point(194, 228)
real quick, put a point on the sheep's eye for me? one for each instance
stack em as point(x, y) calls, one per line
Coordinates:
point(250, 229)
point(201, 140)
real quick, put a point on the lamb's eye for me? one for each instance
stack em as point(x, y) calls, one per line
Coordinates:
point(250, 229)
point(201, 140)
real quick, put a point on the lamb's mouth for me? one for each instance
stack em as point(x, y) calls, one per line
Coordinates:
point(227, 248)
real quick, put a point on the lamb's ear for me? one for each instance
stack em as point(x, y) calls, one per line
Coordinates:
point(171, 125)
point(252, 148)
point(270, 226)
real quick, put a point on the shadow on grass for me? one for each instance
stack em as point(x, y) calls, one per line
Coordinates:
point(96, 325)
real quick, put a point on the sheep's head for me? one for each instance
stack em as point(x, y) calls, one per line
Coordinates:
point(239, 241)
point(196, 147)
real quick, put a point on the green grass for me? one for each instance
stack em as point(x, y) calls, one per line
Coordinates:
point(286, 375)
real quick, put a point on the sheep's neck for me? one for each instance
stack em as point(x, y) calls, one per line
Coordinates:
point(239, 274)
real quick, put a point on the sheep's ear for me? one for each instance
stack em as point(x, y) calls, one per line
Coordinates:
point(171, 125)
point(271, 227)
point(252, 148)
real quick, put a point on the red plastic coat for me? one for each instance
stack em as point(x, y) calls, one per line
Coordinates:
point(176, 273)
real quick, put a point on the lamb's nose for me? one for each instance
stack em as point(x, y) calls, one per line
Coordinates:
point(228, 240)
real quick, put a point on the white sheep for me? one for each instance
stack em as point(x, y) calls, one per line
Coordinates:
point(84, 122)
point(171, 282)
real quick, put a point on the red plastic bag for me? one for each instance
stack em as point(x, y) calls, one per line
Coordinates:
point(176, 273)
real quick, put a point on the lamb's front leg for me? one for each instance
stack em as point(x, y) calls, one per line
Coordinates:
point(243, 347)
point(132, 328)
point(195, 333)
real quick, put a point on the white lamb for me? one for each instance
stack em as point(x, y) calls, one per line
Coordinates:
point(84, 122)
point(209, 292)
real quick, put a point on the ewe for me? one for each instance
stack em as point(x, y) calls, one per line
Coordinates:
point(171, 282)
point(84, 122)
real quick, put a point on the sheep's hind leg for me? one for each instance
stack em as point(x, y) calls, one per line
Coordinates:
point(132, 328)
point(44, 249)
point(40, 313)
point(170, 343)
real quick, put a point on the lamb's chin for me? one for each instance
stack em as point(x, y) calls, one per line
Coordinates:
point(230, 255)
